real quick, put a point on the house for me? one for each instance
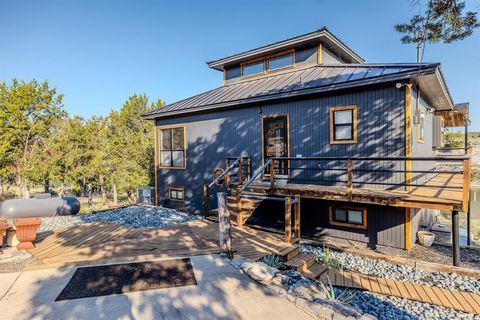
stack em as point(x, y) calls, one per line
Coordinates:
point(305, 123)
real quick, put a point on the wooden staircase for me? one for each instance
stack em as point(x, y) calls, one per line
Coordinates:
point(302, 262)
point(242, 206)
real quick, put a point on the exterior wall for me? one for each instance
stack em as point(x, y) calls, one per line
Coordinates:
point(211, 137)
point(329, 57)
point(385, 225)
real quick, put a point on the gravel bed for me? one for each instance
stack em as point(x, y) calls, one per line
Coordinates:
point(384, 307)
point(384, 269)
point(133, 217)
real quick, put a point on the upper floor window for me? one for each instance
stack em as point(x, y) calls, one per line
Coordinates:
point(253, 68)
point(343, 125)
point(280, 61)
point(172, 147)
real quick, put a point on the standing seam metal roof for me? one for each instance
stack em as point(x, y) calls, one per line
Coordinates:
point(291, 82)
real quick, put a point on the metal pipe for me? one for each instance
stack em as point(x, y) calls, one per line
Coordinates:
point(259, 171)
point(224, 173)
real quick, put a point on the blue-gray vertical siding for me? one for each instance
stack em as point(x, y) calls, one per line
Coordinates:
point(211, 137)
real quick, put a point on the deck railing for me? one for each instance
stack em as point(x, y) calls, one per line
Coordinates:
point(386, 173)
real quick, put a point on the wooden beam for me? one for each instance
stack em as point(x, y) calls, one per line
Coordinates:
point(272, 174)
point(227, 175)
point(224, 226)
point(288, 220)
point(408, 137)
point(297, 219)
point(408, 228)
point(455, 239)
point(206, 198)
point(240, 171)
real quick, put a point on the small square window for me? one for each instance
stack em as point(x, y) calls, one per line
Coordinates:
point(348, 217)
point(176, 194)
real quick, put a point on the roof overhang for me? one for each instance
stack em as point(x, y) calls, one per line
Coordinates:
point(434, 89)
point(322, 35)
point(458, 117)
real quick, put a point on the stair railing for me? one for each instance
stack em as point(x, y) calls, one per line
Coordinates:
point(258, 173)
point(206, 187)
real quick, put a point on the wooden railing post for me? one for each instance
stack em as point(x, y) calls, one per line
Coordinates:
point(288, 220)
point(249, 168)
point(466, 183)
point(272, 174)
point(240, 171)
point(350, 179)
point(224, 226)
point(227, 176)
point(206, 198)
point(296, 228)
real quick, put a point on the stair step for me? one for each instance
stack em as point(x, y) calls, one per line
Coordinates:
point(289, 253)
point(315, 271)
point(301, 262)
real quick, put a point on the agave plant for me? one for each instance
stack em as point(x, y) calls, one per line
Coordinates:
point(273, 260)
point(345, 297)
point(328, 260)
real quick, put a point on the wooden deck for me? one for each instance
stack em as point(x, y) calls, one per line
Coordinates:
point(447, 195)
point(106, 242)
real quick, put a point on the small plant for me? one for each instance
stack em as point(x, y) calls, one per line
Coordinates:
point(328, 260)
point(345, 297)
point(273, 260)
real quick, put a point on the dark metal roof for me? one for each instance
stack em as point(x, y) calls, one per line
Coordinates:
point(322, 34)
point(316, 79)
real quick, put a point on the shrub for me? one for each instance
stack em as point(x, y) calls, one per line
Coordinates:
point(327, 259)
point(345, 297)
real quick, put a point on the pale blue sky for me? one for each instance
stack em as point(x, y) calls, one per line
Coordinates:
point(99, 52)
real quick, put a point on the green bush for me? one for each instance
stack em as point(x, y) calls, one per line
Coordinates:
point(273, 260)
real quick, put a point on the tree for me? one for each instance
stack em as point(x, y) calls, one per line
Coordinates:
point(443, 20)
point(27, 112)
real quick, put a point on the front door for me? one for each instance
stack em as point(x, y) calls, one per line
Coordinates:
point(275, 141)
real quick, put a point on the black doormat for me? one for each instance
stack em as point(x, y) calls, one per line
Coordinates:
point(121, 278)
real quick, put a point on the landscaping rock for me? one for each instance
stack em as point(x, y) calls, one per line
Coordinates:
point(238, 261)
point(259, 271)
point(299, 290)
point(280, 280)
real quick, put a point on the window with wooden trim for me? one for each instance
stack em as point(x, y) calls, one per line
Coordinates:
point(176, 194)
point(172, 147)
point(421, 125)
point(348, 217)
point(253, 68)
point(280, 61)
point(343, 125)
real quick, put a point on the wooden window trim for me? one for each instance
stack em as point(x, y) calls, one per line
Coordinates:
point(267, 58)
point(170, 189)
point(417, 126)
point(242, 64)
point(331, 221)
point(320, 53)
point(274, 115)
point(354, 124)
point(159, 141)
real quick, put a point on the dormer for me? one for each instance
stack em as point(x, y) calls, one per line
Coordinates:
point(314, 48)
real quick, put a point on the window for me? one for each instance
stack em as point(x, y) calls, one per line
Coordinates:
point(348, 217)
point(176, 194)
point(343, 125)
point(253, 68)
point(421, 125)
point(172, 147)
point(280, 61)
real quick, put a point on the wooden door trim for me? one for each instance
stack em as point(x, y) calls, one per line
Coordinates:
point(276, 115)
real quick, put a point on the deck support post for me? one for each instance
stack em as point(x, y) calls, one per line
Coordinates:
point(296, 218)
point(227, 175)
point(272, 175)
point(240, 171)
point(350, 179)
point(224, 231)
point(206, 198)
point(455, 239)
point(288, 220)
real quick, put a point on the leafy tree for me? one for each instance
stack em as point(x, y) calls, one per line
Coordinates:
point(443, 20)
point(27, 112)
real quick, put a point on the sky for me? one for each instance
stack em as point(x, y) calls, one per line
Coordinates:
point(97, 53)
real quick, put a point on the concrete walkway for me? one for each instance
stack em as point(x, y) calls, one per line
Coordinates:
point(221, 293)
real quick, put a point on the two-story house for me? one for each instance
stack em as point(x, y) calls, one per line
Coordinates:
point(305, 122)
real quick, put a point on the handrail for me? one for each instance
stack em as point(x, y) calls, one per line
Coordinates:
point(224, 173)
point(255, 176)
